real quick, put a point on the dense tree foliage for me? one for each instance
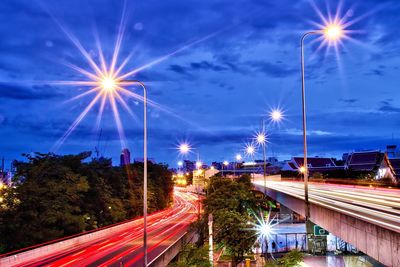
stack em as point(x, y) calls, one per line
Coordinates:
point(231, 203)
point(54, 196)
point(192, 256)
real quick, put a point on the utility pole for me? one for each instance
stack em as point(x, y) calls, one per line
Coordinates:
point(2, 164)
point(210, 239)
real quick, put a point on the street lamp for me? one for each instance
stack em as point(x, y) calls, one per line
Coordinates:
point(199, 164)
point(238, 159)
point(332, 32)
point(225, 163)
point(184, 148)
point(250, 150)
point(261, 140)
point(108, 84)
point(276, 115)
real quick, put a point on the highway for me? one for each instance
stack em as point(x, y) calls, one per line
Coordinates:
point(380, 206)
point(125, 248)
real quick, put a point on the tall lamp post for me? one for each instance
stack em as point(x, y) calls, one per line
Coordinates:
point(261, 139)
point(238, 159)
point(109, 85)
point(144, 167)
point(225, 163)
point(250, 150)
point(331, 32)
point(184, 149)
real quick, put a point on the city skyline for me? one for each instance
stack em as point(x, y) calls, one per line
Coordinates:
point(218, 96)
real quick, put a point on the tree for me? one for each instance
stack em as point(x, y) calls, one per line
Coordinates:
point(231, 203)
point(55, 196)
point(47, 192)
point(192, 256)
point(231, 231)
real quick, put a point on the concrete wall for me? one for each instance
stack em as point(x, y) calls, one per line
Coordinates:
point(375, 241)
point(170, 252)
point(75, 242)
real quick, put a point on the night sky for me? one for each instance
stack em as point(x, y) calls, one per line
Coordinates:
point(240, 60)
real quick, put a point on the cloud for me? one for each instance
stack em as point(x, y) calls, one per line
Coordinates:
point(19, 92)
point(376, 72)
point(206, 65)
point(387, 107)
point(278, 70)
point(349, 100)
point(309, 132)
point(178, 69)
point(197, 66)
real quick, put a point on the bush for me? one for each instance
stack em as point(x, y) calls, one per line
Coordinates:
point(192, 256)
point(291, 259)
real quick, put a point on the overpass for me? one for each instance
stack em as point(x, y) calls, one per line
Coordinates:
point(119, 245)
point(367, 218)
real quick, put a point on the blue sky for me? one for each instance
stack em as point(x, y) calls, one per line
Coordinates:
point(245, 62)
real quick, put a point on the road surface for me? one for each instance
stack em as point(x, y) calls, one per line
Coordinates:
point(125, 248)
point(380, 206)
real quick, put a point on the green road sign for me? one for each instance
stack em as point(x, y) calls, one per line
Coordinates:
point(319, 231)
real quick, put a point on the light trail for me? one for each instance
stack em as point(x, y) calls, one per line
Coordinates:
point(125, 246)
point(378, 206)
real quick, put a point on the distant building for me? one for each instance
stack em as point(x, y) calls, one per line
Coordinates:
point(217, 165)
point(375, 162)
point(199, 180)
point(188, 165)
point(315, 164)
point(125, 158)
point(396, 167)
point(392, 152)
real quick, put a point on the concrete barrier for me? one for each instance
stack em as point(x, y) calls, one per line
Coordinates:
point(170, 252)
point(63, 245)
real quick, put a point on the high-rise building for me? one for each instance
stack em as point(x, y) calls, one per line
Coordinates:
point(125, 158)
point(188, 166)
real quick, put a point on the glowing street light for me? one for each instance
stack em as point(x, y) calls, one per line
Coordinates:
point(184, 148)
point(276, 115)
point(199, 164)
point(250, 149)
point(302, 169)
point(261, 138)
point(225, 163)
point(238, 158)
point(332, 32)
point(108, 84)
